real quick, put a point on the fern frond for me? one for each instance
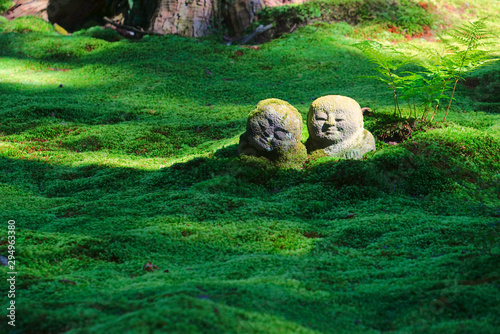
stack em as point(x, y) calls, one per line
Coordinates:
point(372, 52)
point(373, 77)
point(385, 57)
point(470, 35)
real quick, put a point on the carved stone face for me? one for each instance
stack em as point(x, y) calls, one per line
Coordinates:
point(274, 131)
point(271, 130)
point(333, 119)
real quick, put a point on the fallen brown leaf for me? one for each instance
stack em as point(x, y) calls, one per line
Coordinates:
point(150, 267)
point(67, 281)
point(253, 47)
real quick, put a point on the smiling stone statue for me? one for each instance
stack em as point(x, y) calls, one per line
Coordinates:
point(335, 125)
point(274, 130)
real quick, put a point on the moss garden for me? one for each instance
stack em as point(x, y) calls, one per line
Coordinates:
point(134, 213)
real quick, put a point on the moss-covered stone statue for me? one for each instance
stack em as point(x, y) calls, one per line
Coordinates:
point(335, 125)
point(274, 130)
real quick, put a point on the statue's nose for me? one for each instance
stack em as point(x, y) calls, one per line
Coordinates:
point(330, 121)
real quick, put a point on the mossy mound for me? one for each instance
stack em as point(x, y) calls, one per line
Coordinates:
point(109, 35)
point(406, 15)
point(134, 160)
point(26, 24)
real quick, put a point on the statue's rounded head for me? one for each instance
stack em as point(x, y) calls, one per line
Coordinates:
point(274, 124)
point(333, 119)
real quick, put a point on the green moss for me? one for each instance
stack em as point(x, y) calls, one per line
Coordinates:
point(294, 157)
point(109, 35)
point(241, 245)
point(317, 154)
point(27, 24)
point(405, 15)
point(4, 5)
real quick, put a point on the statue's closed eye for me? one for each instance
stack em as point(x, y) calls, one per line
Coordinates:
point(266, 127)
point(321, 116)
point(281, 134)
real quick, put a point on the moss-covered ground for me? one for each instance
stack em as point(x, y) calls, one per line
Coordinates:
point(116, 154)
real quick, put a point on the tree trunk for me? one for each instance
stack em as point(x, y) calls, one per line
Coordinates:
point(183, 17)
point(239, 14)
point(199, 17)
point(193, 18)
point(28, 7)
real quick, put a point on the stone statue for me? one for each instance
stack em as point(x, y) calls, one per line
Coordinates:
point(274, 131)
point(335, 125)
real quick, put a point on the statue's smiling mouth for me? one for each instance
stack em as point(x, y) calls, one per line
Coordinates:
point(332, 131)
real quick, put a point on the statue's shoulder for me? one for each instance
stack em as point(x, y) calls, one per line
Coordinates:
point(368, 141)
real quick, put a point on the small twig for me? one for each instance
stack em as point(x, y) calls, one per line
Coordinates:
point(121, 26)
point(67, 281)
point(257, 31)
point(396, 104)
point(11, 9)
point(437, 104)
point(451, 99)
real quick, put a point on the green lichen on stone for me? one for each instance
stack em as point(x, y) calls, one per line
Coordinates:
point(274, 130)
point(317, 154)
point(293, 158)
